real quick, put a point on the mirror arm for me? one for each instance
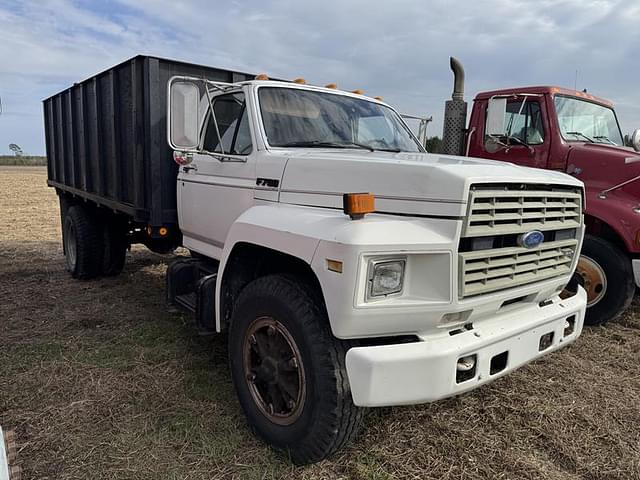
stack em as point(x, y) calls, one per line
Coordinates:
point(213, 116)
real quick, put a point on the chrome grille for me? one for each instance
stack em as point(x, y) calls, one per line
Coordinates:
point(497, 216)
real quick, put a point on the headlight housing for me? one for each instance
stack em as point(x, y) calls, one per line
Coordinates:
point(386, 277)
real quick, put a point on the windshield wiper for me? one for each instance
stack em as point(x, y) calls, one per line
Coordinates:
point(319, 144)
point(580, 134)
point(606, 139)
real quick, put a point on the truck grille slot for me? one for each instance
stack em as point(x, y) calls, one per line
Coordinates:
point(498, 214)
point(502, 268)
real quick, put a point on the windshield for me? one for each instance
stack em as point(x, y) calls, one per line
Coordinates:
point(304, 118)
point(581, 120)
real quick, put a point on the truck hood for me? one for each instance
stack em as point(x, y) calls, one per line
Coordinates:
point(403, 183)
point(602, 166)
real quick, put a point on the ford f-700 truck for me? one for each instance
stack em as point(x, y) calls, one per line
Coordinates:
point(348, 267)
point(568, 131)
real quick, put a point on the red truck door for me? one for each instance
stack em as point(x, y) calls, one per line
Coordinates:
point(526, 139)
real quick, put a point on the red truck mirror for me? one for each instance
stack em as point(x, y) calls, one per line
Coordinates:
point(635, 139)
point(183, 131)
point(496, 112)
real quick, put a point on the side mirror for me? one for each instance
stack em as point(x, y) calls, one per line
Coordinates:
point(635, 139)
point(496, 113)
point(183, 122)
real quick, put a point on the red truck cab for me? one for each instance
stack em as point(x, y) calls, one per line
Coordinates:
point(577, 133)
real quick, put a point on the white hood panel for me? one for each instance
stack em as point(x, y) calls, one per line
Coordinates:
point(403, 183)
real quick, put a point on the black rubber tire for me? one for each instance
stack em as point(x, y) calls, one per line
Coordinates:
point(619, 275)
point(114, 240)
point(87, 240)
point(329, 419)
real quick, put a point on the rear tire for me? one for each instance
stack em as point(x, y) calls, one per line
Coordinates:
point(607, 276)
point(304, 406)
point(82, 243)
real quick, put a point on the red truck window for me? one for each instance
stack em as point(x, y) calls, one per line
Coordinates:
point(523, 123)
point(582, 120)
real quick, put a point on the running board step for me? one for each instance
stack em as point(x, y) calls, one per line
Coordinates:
point(191, 285)
point(187, 301)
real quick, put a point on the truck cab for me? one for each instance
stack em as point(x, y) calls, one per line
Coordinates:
point(569, 131)
point(419, 262)
point(564, 130)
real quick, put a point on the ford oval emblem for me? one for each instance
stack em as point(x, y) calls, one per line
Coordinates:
point(531, 239)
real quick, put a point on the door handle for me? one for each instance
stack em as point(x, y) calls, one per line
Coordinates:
point(188, 168)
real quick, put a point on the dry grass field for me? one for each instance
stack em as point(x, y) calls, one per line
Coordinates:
point(101, 381)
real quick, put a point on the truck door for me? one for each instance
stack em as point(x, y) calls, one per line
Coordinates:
point(526, 139)
point(214, 190)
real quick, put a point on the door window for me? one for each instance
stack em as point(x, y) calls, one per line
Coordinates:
point(233, 124)
point(522, 123)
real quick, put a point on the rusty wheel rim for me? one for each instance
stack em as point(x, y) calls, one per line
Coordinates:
point(273, 371)
point(594, 279)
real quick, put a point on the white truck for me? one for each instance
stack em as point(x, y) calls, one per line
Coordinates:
point(349, 267)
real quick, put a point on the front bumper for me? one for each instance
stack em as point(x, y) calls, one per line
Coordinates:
point(426, 371)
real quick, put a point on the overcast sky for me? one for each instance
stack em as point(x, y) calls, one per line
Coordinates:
point(397, 49)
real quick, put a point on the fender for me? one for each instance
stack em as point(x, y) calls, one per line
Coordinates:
point(290, 229)
point(616, 210)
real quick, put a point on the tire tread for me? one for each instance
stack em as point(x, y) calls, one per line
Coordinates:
point(340, 418)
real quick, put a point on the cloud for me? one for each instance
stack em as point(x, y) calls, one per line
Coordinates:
point(397, 49)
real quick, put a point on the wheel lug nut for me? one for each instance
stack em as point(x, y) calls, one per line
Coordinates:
point(293, 363)
point(271, 330)
point(251, 377)
point(291, 404)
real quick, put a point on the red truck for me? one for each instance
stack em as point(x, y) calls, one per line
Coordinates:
point(577, 133)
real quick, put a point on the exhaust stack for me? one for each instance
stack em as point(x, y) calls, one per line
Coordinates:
point(455, 114)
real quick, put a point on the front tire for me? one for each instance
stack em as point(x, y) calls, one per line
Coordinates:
point(605, 273)
point(289, 371)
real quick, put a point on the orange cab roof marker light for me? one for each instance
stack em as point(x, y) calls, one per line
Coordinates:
point(356, 205)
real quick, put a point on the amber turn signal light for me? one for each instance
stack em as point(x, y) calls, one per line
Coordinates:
point(356, 205)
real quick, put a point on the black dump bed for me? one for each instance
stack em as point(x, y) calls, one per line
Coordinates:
point(106, 137)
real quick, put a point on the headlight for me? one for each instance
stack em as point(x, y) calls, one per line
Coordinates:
point(386, 277)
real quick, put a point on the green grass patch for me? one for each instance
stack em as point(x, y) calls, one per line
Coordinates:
point(22, 357)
